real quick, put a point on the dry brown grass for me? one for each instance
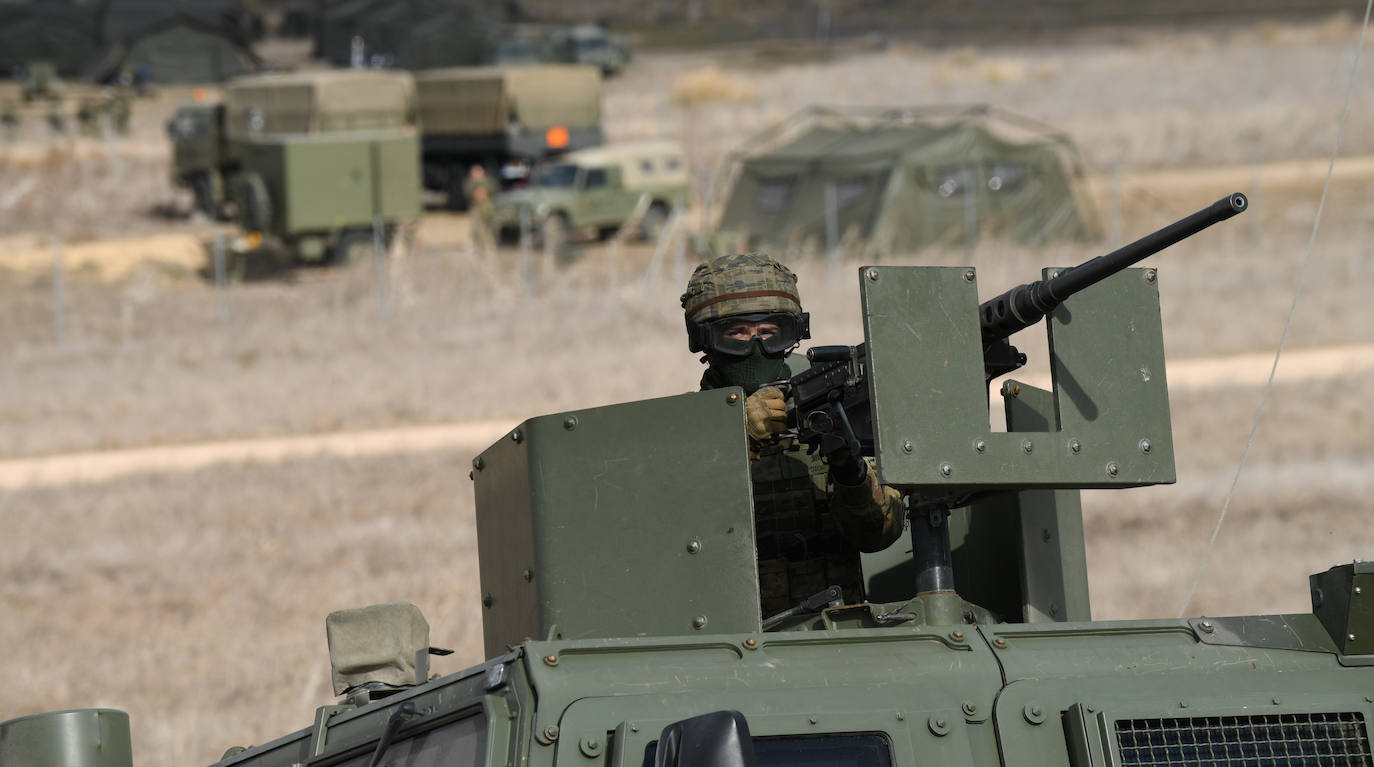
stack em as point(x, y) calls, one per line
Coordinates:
point(708, 85)
point(195, 601)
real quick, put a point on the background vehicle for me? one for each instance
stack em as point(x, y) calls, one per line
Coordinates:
point(601, 188)
point(588, 44)
point(310, 159)
point(505, 118)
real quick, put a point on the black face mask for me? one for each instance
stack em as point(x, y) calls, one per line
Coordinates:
point(747, 372)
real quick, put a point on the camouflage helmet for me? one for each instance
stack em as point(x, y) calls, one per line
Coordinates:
point(743, 283)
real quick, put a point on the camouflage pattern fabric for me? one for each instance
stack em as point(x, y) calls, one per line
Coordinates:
point(481, 213)
point(810, 530)
point(742, 283)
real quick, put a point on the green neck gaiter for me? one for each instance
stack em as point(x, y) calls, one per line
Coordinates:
point(748, 373)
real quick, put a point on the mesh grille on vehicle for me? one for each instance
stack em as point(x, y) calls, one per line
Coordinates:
point(1272, 740)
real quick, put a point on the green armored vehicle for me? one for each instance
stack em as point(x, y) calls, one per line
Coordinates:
point(506, 119)
point(621, 592)
point(308, 159)
point(602, 189)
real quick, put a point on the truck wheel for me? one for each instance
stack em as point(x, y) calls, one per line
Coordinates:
point(204, 191)
point(249, 194)
point(654, 222)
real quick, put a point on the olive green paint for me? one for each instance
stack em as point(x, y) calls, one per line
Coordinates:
point(581, 535)
point(88, 737)
point(1343, 599)
point(926, 381)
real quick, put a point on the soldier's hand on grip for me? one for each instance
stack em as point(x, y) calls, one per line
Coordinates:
point(765, 413)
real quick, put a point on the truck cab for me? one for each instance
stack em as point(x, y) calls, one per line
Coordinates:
point(199, 156)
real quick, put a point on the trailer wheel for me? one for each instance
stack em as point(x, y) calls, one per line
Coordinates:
point(203, 190)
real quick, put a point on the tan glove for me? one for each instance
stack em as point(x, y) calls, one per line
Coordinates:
point(765, 414)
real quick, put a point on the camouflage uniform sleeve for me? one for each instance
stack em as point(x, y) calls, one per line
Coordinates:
point(869, 515)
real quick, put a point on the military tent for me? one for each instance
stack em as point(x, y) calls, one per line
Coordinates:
point(893, 182)
point(66, 35)
point(122, 20)
point(178, 49)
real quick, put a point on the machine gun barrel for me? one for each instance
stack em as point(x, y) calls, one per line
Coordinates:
point(1025, 305)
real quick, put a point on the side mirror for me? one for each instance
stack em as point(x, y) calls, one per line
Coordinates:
point(717, 739)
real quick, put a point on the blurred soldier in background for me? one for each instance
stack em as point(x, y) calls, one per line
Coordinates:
point(117, 106)
point(479, 191)
point(88, 118)
point(57, 117)
point(813, 514)
point(10, 117)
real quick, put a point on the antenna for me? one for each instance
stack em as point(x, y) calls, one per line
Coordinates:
point(1292, 309)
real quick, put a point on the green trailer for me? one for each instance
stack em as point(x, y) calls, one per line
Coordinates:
point(315, 161)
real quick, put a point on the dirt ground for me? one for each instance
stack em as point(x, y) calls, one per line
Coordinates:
point(195, 599)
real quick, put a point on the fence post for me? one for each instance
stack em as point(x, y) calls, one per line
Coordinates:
point(1257, 165)
point(708, 197)
point(971, 211)
point(59, 295)
point(526, 257)
point(1115, 205)
point(680, 252)
point(221, 296)
point(379, 249)
point(832, 224)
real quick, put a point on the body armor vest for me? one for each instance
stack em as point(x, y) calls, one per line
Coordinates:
point(800, 548)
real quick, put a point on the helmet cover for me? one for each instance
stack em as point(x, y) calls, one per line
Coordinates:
point(742, 283)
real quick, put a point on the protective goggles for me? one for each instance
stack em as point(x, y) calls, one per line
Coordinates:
point(736, 335)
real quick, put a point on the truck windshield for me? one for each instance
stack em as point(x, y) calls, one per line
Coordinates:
point(189, 124)
point(557, 175)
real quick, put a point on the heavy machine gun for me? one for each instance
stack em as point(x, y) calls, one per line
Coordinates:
point(828, 404)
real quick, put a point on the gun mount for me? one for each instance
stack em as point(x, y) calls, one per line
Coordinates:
point(829, 402)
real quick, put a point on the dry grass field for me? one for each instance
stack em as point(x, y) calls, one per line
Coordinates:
point(195, 600)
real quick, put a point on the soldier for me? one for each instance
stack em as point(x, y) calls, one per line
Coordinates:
point(119, 109)
point(57, 117)
point(88, 118)
point(10, 117)
point(813, 514)
point(479, 191)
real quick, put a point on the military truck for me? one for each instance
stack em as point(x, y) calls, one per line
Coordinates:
point(620, 592)
point(602, 189)
point(504, 118)
point(308, 159)
point(588, 44)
